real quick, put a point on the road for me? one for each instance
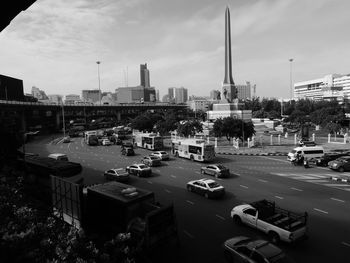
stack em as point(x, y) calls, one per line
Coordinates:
point(205, 224)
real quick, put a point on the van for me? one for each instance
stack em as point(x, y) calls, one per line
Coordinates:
point(309, 152)
point(58, 156)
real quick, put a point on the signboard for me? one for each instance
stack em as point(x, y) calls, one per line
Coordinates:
point(67, 200)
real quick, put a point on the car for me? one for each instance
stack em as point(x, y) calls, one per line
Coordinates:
point(139, 170)
point(117, 174)
point(127, 144)
point(216, 170)
point(161, 154)
point(306, 142)
point(207, 187)
point(106, 142)
point(245, 249)
point(330, 156)
point(151, 161)
point(128, 151)
point(66, 139)
point(341, 164)
point(59, 156)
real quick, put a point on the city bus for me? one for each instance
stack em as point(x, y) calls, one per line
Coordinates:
point(149, 141)
point(193, 149)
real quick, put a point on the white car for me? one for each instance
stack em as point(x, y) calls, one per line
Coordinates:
point(139, 169)
point(161, 154)
point(106, 142)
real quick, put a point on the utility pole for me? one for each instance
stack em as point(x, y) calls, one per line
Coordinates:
point(291, 79)
point(99, 83)
point(64, 125)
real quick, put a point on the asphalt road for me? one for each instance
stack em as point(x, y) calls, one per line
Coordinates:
point(205, 224)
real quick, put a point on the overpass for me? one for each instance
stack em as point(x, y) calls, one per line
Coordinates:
point(27, 116)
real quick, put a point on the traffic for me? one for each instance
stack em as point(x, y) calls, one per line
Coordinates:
point(281, 225)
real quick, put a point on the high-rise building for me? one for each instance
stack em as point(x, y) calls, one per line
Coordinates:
point(91, 95)
point(135, 94)
point(244, 91)
point(165, 98)
point(39, 94)
point(171, 94)
point(144, 76)
point(71, 99)
point(181, 95)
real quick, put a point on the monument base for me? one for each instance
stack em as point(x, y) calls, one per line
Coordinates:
point(233, 110)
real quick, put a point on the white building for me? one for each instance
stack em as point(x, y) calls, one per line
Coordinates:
point(330, 87)
point(203, 104)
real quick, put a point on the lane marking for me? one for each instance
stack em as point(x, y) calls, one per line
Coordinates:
point(173, 176)
point(296, 189)
point(237, 174)
point(81, 142)
point(157, 170)
point(166, 190)
point(198, 172)
point(337, 185)
point(149, 182)
point(180, 167)
point(188, 201)
point(262, 180)
point(316, 181)
point(243, 186)
point(279, 197)
point(68, 146)
point(345, 244)
point(336, 199)
point(188, 234)
point(319, 210)
point(219, 216)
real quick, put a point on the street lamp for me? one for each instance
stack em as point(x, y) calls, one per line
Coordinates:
point(290, 74)
point(64, 124)
point(99, 83)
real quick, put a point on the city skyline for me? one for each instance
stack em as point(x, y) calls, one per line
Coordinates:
point(55, 46)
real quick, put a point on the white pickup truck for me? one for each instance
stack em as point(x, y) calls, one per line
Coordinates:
point(278, 223)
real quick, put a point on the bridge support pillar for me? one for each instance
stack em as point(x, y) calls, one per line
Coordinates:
point(58, 120)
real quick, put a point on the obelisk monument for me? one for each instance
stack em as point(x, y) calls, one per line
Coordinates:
point(228, 105)
point(229, 91)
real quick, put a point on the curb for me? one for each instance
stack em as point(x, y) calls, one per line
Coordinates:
point(254, 154)
point(339, 179)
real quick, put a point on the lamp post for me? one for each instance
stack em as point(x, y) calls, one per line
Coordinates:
point(64, 125)
point(290, 75)
point(99, 82)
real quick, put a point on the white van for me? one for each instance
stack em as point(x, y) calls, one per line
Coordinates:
point(308, 152)
point(58, 156)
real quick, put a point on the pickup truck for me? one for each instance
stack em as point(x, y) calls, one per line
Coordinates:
point(277, 223)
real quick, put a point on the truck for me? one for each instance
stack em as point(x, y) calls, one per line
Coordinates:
point(115, 207)
point(279, 224)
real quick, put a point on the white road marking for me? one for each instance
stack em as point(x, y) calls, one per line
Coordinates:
point(198, 172)
point(81, 142)
point(345, 244)
point(336, 199)
point(150, 182)
point(319, 210)
point(188, 201)
point(296, 189)
point(188, 234)
point(68, 145)
point(166, 190)
point(157, 170)
point(279, 197)
point(173, 176)
point(222, 218)
point(88, 164)
point(316, 181)
point(338, 185)
point(243, 186)
point(180, 167)
point(263, 181)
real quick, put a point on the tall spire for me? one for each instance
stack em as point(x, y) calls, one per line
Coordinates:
point(228, 64)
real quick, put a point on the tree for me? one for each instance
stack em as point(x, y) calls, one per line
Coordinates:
point(142, 123)
point(218, 128)
point(189, 128)
point(167, 123)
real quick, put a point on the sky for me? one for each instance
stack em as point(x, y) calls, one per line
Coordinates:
point(54, 45)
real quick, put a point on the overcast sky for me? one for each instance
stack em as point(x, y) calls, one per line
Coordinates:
point(54, 45)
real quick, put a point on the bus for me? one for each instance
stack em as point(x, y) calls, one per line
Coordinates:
point(150, 141)
point(193, 149)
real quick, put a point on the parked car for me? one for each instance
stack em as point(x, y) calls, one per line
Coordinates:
point(216, 170)
point(139, 170)
point(151, 161)
point(66, 139)
point(128, 151)
point(207, 187)
point(106, 142)
point(341, 164)
point(161, 154)
point(120, 175)
point(331, 156)
point(245, 249)
point(59, 156)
